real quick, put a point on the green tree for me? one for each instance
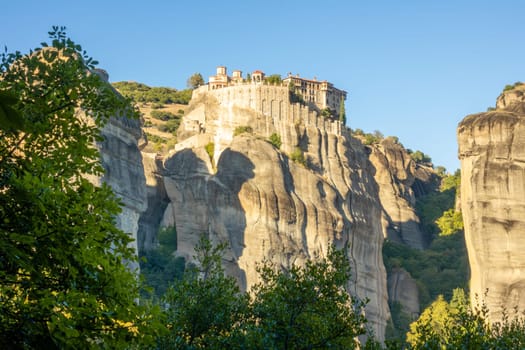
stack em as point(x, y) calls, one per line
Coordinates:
point(342, 111)
point(450, 222)
point(306, 307)
point(420, 157)
point(195, 81)
point(64, 282)
point(206, 307)
point(456, 325)
point(274, 79)
point(275, 140)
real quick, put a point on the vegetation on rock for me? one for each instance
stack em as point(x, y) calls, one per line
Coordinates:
point(142, 93)
point(275, 140)
point(242, 129)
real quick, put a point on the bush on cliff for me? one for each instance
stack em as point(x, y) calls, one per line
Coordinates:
point(275, 140)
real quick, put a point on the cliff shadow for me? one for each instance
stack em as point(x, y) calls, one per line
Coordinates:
point(227, 215)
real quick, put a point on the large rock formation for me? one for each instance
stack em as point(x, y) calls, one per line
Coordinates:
point(397, 175)
point(123, 169)
point(263, 204)
point(492, 153)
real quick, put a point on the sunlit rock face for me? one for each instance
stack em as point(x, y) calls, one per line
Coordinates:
point(123, 169)
point(492, 154)
point(263, 204)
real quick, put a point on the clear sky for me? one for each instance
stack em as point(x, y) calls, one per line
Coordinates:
point(412, 68)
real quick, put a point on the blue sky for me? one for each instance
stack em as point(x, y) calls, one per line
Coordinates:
point(412, 69)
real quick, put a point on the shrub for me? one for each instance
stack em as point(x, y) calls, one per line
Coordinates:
point(170, 126)
point(326, 112)
point(155, 138)
point(420, 157)
point(210, 149)
point(450, 223)
point(242, 129)
point(510, 87)
point(274, 79)
point(275, 140)
point(298, 156)
point(163, 115)
point(142, 93)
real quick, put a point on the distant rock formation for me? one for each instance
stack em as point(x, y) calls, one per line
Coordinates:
point(492, 154)
point(402, 288)
point(397, 176)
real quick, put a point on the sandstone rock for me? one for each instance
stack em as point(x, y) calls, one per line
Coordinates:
point(402, 288)
point(511, 97)
point(266, 206)
point(157, 201)
point(124, 172)
point(492, 154)
point(395, 173)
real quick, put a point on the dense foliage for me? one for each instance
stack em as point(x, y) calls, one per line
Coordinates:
point(64, 281)
point(139, 92)
point(457, 325)
point(159, 266)
point(300, 308)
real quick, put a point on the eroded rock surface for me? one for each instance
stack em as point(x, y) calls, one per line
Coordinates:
point(397, 175)
point(265, 205)
point(492, 154)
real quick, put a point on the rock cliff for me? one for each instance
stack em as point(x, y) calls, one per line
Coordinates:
point(492, 154)
point(124, 172)
point(400, 179)
point(252, 195)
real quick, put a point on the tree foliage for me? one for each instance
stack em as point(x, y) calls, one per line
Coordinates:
point(63, 278)
point(275, 140)
point(195, 81)
point(159, 266)
point(139, 92)
point(420, 157)
point(456, 325)
point(306, 307)
point(342, 111)
point(274, 79)
point(206, 307)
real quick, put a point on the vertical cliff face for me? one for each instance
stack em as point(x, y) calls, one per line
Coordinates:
point(124, 171)
point(263, 204)
point(492, 153)
point(397, 175)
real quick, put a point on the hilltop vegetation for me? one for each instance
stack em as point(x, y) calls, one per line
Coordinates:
point(142, 93)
